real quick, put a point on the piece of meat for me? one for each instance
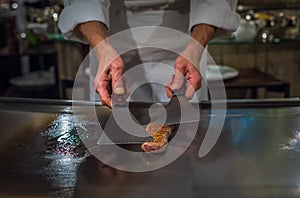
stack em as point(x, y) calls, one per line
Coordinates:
point(160, 134)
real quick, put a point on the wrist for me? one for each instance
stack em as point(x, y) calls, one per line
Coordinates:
point(94, 40)
point(203, 33)
point(94, 31)
point(105, 50)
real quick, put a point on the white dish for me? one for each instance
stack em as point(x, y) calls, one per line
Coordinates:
point(220, 72)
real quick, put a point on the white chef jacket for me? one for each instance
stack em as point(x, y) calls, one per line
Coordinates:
point(120, 15)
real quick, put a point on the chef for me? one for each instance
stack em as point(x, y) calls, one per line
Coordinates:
point(93, 21)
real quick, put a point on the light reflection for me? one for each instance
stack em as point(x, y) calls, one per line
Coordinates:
point(248, 17)
point(65, 151)
point(264, 35)
point(14, 6)
point(55, 17)
point(62, 173)
point(63, 138)
point(293, 143)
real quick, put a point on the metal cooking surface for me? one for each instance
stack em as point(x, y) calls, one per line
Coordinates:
point(257, 155)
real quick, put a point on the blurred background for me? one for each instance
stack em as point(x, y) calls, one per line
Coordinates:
point(260, 60)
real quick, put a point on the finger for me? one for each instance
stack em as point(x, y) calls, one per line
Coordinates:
point(194, 82)
point(105, 96)
point(180, 70)
point(116, 73)
point(178, 81)
point(101, 74)
point(194, 77)
point(168, 92)
point(190, 91)
point(126, 87)
point(167, 87)
point(103, 88)
point(118, 87)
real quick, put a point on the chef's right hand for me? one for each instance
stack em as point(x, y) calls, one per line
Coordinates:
point(108, 79)
point(111, 66)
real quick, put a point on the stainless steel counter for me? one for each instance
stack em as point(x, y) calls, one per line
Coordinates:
point(257, 155)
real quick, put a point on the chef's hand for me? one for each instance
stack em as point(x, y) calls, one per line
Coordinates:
point(185, 67)
point(108, 79)
point(111, 66)
point(187, 64)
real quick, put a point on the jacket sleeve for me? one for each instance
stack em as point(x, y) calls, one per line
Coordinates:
point(80, 11)
point(219, 13)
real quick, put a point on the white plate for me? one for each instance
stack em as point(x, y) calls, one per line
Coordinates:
point(220, 72)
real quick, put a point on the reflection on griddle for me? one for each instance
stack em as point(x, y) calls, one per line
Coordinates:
point(63, 138)
point(293, 143)
point(66, 152)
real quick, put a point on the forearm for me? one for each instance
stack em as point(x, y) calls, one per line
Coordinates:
point(203, 33)
point(94, 31)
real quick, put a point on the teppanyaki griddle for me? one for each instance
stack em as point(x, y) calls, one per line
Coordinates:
point(257, 155)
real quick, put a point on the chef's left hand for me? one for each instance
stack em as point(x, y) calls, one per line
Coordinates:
point(186, 66)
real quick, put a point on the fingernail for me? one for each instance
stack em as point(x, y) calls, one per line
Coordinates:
point(175, 86)
point(119, 90)
point(189, 95)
